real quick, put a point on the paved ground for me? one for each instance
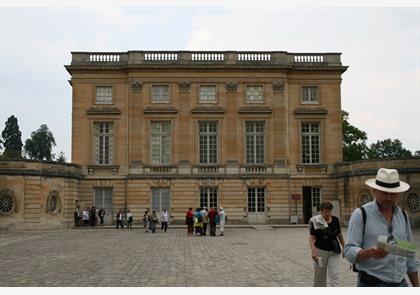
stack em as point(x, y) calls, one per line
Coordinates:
point(106, 257)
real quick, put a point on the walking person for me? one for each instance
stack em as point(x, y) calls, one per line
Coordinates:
point(212, 217)
point(146, 221)
point(326, 251)
point(153, 221)
point(222, 220)
point(205, 221)
point(378, 267)
point(102, 215)
point(164, 219)
point(129, 220)
point(77, 215)
point(93, 216)
point(120, 220)
point(85, 216)
point(198, 222)
point(189, 221)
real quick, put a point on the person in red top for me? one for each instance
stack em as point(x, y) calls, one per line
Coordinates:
point(189, 221)
point(212, 220)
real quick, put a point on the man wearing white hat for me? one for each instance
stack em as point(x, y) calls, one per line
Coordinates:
point(377, 267)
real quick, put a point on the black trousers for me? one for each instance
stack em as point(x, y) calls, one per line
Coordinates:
point(212, 228)
point(119, 222)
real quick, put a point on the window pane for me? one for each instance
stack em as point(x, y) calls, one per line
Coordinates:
point(104, 143)
point(104, 94)
point(208, 142)
point(254, 142)
point(309, 94)
point(207, 93)
point(310, 143)
point(160, 93)
point(254, 93)
point(161, 143)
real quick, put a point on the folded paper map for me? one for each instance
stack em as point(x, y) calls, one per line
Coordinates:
point(397, 247)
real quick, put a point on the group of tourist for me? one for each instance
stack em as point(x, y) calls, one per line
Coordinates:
point(89, 216)
point(198, 221)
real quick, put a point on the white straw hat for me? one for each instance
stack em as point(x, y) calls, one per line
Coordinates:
point(388, 180)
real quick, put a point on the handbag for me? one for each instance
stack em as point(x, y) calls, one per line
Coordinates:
point(336, 246)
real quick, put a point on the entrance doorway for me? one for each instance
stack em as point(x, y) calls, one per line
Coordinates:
point(311, 202)
point(103, 199)
point(256, 205)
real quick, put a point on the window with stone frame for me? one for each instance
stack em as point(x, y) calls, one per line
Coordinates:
point(160, 94)
point(208, 142)
point(103, 143)
point(254, 94)
point(161, 143)
point(255, 142)
point(207, 94)
point(311, 138)
point(103, 94)
point(309, 94)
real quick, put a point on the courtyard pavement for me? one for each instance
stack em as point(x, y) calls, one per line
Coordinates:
point(260, 256)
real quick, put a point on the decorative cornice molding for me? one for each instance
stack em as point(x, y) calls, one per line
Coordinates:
point(103, 110)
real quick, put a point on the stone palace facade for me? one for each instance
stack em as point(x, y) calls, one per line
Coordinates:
point(258, 133)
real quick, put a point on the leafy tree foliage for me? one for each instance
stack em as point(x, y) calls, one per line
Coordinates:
point(12, 139)
point(39, 146)
point(354, 141)
point(388, 149)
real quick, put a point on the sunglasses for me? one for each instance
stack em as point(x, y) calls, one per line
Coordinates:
point(390, 235)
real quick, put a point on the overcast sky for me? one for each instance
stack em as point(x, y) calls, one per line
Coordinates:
point(381, 46)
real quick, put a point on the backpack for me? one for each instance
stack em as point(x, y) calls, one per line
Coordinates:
point(353, 265)
point(200, 218)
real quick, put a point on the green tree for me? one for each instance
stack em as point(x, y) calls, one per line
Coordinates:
point(39, 146)
point(354, 141)
point(12, 139)
point(385, 149)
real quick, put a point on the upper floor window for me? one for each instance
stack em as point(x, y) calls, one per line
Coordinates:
point(104, 143)
point(207, 94)
point(254, 93)
point(161, 143)
point(254, 136)
point(309, 94)
point(160, 93)
point(208, 142)
point(311, 143)
point(104, 94)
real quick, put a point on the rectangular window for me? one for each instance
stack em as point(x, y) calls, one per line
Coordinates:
point(254, 136)
point(160, 93)
point(309, 94)
point(104, 94)
point(207, 93)
point(161, 143)
point(256, 199)
point(104, 143)
point(254, 93)
point(208, 197)
point(208, 142)
point(160, 200)
point(310, 143)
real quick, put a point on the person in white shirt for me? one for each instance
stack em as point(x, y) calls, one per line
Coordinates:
point(222, 219)
point(164, 218)
point(129, 219)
